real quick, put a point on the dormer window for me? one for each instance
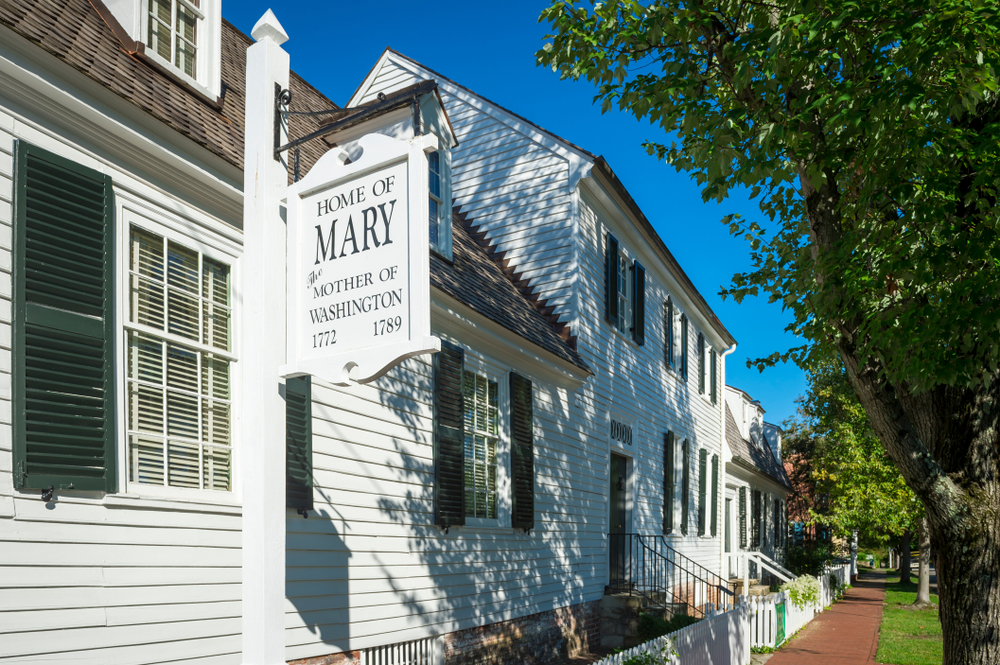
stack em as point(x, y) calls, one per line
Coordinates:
point(173, 32)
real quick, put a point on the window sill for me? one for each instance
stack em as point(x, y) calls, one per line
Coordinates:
point(224, 504)
point(483, 523)
point(197, 90)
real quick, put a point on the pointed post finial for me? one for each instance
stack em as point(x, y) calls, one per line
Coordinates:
point(268, 26)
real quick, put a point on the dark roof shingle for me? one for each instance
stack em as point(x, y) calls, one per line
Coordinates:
point(750, 454)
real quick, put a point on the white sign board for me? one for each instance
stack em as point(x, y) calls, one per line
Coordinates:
point(358, 262)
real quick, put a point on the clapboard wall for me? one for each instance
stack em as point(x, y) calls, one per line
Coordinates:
point(510, 178)
point(634, 383)
point(122, 578)
point(370, 568)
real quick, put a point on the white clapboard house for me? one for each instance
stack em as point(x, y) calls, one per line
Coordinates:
point(568, 441)
point(757, 489)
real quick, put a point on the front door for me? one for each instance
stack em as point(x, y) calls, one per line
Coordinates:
point(618, 521)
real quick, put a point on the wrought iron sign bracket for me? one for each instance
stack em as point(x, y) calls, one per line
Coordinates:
point(283, 99)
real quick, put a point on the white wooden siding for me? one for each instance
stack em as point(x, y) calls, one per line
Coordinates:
point(510, 185)
point(633, 381)
point(87, 582)
point(372, 569)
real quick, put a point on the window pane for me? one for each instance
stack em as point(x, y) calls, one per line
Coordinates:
point(159, 27)
point(217, 468)
point(182, 368)
point(182, 415)
point(215, 377)
point(182, 314)
point(482, 426)
point(145, 408)
point(182, 460)
point(432, 218)
point(145, 358)
point(187, 24)
point(145, 460)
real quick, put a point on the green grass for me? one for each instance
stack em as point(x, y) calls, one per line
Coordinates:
point(908, 637)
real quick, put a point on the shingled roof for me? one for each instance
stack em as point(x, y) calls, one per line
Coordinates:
point(85, 36)
point(476, 280)
point(750, 455)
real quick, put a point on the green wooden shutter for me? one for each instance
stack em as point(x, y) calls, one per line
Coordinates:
point(611, 281)
point(743, 517)
point(715, 495)
point(668, 482)
point(755, 520)
point(685, 485)
point(715, 376)
point(63, 347)
point(449, 440)
point(684, 345)
point(638, 303)
point(701, 363)
point(298, 444)
point(702, 490)
point(668, 333)
point(523, 453)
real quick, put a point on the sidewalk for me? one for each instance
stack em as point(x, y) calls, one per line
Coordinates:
point(845, 634)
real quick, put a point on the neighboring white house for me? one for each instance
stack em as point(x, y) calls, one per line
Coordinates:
point(464, 498)
point(757, 485)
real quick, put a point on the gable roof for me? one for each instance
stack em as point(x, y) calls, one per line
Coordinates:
point(88, 39)
point(602, 167)
point(750, 455)
point(477, 281)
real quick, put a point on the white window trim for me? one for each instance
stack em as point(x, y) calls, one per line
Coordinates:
point(176, 230)
point(208, 59)
point(444, 246)
point(479, 365)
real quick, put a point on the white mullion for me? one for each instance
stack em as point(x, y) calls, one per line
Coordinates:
point(190, 6)
point(181, 340)
point(179, 391)
point(173, 32)
point(201, 415)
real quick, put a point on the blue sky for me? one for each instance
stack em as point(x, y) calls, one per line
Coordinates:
point(490, 47)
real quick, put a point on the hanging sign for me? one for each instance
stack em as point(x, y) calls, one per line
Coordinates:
point(358, 262)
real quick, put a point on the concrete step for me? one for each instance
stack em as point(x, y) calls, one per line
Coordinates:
point(760, 590)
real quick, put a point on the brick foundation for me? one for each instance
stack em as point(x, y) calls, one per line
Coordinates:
point(536, 639)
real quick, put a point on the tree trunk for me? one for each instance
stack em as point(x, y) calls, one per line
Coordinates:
point(946, 443)
point(904, 558)
point(924, 567)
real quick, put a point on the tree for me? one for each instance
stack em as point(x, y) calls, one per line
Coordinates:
point(868, 133)
point(865, 491)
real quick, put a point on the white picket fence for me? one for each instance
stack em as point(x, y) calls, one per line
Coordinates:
point(721, 639)
point(725, 638)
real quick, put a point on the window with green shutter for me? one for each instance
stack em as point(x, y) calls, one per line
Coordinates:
point(63, 324)
point(298, 444)
point(702, 490)
point(668, 333)
point(449, 437)
point(714, 360)
point(638, 303)
point(701, 363)
point(684, 345)
point(611, 278)
point(743, 517)
point(715, 494)
point(685, 485)
point(522, 453)
point(669, 474)
point(755, 530)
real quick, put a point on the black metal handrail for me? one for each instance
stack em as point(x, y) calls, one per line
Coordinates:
point(647, 566)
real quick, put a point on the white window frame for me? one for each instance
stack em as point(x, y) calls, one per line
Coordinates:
point(478, 365)
point(444, 243)
point(208, 49)
point(211, 247)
